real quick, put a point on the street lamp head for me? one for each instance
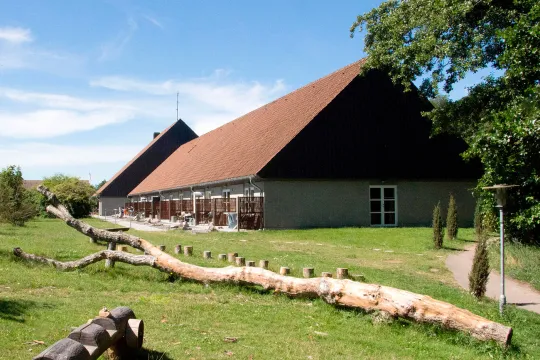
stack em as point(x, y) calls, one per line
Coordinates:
point(500, 192)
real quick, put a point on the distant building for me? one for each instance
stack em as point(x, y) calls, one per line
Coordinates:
point(113, 194)
point(345, 150)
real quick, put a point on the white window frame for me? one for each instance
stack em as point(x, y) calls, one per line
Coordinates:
point(382, 187)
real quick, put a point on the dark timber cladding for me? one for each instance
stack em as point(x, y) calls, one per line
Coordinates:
point(147, 160)
point(372, 129)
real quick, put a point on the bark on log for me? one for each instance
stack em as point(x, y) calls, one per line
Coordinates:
point(342, 292)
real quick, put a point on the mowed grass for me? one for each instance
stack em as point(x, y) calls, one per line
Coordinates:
point(185, 320)
point(522, 262)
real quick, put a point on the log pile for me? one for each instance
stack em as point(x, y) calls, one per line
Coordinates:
point(117, 334)
point(337, 291)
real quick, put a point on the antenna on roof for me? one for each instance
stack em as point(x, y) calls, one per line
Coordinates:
point(177, 106)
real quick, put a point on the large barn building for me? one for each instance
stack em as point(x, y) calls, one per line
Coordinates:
point(345, 150)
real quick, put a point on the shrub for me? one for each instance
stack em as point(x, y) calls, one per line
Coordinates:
point(72, 192)
point(438, 228)
point(479, 275)
point(16, 203)
point(452, 219)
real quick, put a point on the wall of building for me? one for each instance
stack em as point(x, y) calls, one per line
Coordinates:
point(108, 204)
point(305, 204)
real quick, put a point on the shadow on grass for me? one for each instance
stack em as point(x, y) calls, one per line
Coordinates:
point(14, 310)
point(147, 354)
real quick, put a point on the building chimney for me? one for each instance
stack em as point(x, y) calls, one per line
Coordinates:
point(156, 134)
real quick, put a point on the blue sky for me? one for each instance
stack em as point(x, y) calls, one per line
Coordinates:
point(84, 84)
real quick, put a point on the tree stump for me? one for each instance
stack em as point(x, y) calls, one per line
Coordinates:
point(263, 264)
point(308, 272)
point(162, 247)
point(222, 257)
point(188, 250)
point(110, 263)
point(342, 273)
point(123, 248)
point(284, 270)
point(232, 257)
point(178, 249)
point(326, 274)
point(240, 261)
point(250, 263)
point(207, 254)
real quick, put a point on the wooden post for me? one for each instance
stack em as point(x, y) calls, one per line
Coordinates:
point(326, 274)
point(263, 264)
point(342, 273)
point(284, 270)
point(178, 249)
point(240, 261)
point(110, 263)
point(222, 257)
point(232, 257)
point(250, 263)
point(207, 254)
point(308, 272)
point(162, 247)
point(188, 250)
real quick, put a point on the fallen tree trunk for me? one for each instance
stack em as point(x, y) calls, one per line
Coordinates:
point(342, 292)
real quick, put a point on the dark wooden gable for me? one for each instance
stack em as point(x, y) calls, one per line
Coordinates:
point(372, 129)
point(147, 161)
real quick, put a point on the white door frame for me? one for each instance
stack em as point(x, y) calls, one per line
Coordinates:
point(382, 187)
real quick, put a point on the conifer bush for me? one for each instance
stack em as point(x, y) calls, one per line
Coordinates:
point(452, 219)
point(438, 228)
point(479, 275)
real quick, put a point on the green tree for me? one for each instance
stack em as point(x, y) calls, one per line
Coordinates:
point(72, 192)
point(479, 275)
point(100, 184)
point(439, 43)
point(16, 203)
point(452, 219)
point(438, 228)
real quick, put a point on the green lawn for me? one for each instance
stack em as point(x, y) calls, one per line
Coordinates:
point(522, 262)
point(185, 320)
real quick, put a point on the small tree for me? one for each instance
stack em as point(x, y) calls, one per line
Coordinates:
point(478, 277)
point(16, 203)
point(72, 192)
point(438, 229)
point(452, 219)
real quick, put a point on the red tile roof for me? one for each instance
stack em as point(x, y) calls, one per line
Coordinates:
point(104, 186)
point(244, 146)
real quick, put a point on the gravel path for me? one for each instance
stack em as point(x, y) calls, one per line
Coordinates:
point(518, 293)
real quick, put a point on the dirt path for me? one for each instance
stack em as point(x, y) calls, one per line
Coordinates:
point(517, 293)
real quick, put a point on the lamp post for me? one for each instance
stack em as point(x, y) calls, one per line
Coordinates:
point(501, 196)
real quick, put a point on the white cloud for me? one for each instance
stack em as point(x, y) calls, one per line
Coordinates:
point(205, 103)
point(35, 154)
point(114, 48)
point(15, 35)
point(154, 21)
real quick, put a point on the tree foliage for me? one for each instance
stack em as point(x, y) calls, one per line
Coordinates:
point(100, 184)
point(438, 227)
point(452, 219)
point(440, 42)
point(479, 275)
point(16, 203)
point(74, 193)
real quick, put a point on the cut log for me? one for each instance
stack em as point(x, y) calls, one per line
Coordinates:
point(250, 263)
point(240, 261)
point(162, 247)
point(284, 270)
point(263, 264)
point(340, 292)
point(207, 254)
point(342, 273)
point(110, 263)
point(222, 257)
point(67, 349)
point(93, 337)
point(231, 257)
point(178, 249)
point(188, 250)
point(326, 274)
point(308, 272)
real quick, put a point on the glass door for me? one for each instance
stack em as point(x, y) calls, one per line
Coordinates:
point(382, 205)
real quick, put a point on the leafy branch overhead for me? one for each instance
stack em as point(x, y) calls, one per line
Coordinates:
point(438, 43)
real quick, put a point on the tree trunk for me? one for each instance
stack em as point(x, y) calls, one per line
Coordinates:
point(341, 292)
